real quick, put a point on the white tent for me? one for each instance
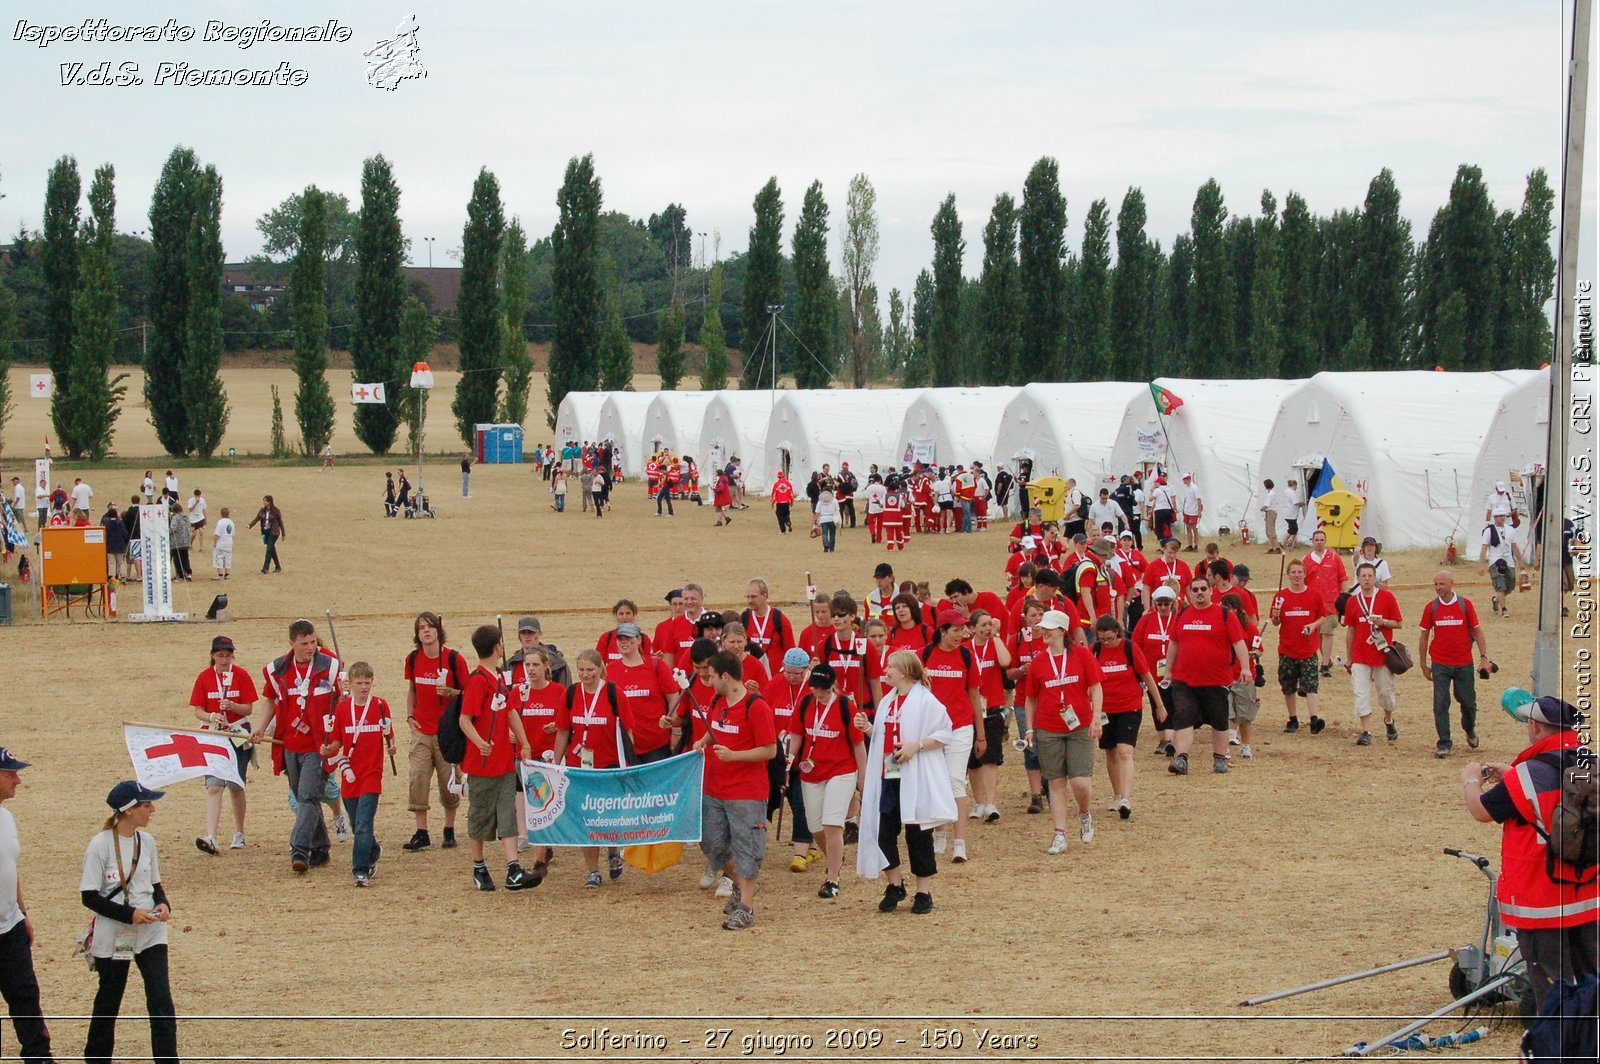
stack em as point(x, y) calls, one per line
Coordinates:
point(951, 426)
point(1406, 440)
point(1217, 434)
point(622, 422)
point(735, 423)
point(673, 421)
point(1066, 430)
point(1514, 445)
point(808, 429)
point(578, 417)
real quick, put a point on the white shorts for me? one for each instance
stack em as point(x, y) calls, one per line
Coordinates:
point(828, 803)
point(955, 759)
point(222, 559)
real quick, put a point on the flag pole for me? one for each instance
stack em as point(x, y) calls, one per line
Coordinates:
point(198, 731)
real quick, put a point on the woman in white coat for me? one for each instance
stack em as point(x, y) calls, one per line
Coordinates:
point(907, 783)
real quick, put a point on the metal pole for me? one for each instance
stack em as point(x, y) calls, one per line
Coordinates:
point(1427, 958)
point(422, 424)
point(1372, 1047)
point(1548, 675)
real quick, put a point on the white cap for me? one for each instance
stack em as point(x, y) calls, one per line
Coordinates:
point(1055, 619)
point(1164, 592)
point(1500, 485)
point(1188, 476)
point(1027, 543)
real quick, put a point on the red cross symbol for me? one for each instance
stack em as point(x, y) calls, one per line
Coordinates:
point(39, 385)
point(190, 750)
point(361, 393)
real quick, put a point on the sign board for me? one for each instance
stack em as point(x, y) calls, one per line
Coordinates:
point(1152, 445)
point(155, 547)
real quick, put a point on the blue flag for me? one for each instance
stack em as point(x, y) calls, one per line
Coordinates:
point(659, 802)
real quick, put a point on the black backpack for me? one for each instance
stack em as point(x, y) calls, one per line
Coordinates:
point(967, 660)
point(1573, 834)
point(1069, 585)
point(452, 740)
point(625, 750)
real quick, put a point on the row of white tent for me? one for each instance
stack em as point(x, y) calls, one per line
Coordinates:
point(1424, 448)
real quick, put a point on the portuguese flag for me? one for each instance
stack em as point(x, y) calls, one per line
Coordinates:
point(1166, 402)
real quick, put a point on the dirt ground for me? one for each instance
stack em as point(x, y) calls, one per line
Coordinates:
point(1315, 859)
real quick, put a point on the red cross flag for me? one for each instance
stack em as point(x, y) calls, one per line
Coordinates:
point(41, 385)
point(366, 393)
point(162, 757)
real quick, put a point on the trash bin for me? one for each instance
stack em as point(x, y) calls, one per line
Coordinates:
point(5, 603)
point(1049, 494)
point(1339, 516)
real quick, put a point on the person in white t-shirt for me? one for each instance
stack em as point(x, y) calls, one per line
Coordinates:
point(148, 488)
point(1292, 503)
point(222, 545)
point(81, 495)
point(1499, 558)
point(1104, 512)
point(1194, 504)
point(17, 978)
point(1499, 502)
point(876, 495)
point(41, 501)
point(197, 517)
point(1269, 515)
point(19, 498)
point(172, 486)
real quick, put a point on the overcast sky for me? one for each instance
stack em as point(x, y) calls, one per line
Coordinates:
point(699, 102)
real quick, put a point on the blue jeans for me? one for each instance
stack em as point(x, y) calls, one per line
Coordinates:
point(664, 494)
point(830, 532)
point(966, 515)
point(466, 485)
point(1466, 693)
point(1030, 755)
point(561, 504)
point(307, 780)
point(362, 810)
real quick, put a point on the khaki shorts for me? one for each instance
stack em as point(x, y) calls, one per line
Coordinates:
point(1243, 705)
point(424, 762)
point(1065, 755)
point(1328, 625)
point(492, 807)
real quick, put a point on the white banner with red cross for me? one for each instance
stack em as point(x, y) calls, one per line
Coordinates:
point(164, 756)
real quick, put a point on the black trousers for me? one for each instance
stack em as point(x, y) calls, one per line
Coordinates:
point(152, 964)
point(20, 988)
point(919, 840)
point(847, 511)
point(784, 524)
point(272, 554)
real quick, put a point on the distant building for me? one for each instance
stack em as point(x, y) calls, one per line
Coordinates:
point(437, 286)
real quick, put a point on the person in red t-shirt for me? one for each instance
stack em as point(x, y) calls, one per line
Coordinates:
point(992, 657)
point(222, 698)
point(1297, 611)
point(362, 734)
point(847, 653)
point(304, 687)
point(783, 692)
point(1150, 635)
point(649, 692)
point(783, 501)
point(1125, 677)
point(968, 601)
point(1326, 575)
point(662, 640)
point(1026, 641)
point(538, 700)
point(952, 675)
point(675, 635)
point(892, 522)
point(1452, 622)
point(1168, 569)
point(1033, 527)
point(434, 675)
point(768, 630)
point(1064, 721)
point(493, 729)
point(821, 626)
point(624, 611)
point(737, 746)
point(1205, 651)
point(722, 499)
point(589, 734)
point(736, 641)
point(908, 632)
point(831, 755)
point(1239, 584)
point(1370, 617)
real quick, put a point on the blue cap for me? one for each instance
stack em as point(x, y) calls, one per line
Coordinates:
point(129, 793)
point(795, 658)
point(9, 762)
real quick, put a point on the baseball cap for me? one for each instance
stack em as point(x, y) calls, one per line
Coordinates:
point(1055, 619)
point(1241, 571)
point(1079, 539)
point(1188, 476)
point(628, 629)
point(1500, 485)
point(795, 658)
point(1369, 539)
point(822, 675)
point(1125, 534)
point(1027, 543)
point(9, 762)
point(529, 624)
point(1103, 547)
point(675, 593)
point(221, 642)
point(129, 793)
point(1164, 593)
point(1554, 712)
point(950, 618)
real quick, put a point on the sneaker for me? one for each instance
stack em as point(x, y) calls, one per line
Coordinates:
point(813, 855)
point(1058, 845)
point(419, 841)
point(362, 879)
point(830, 890)
point(1472, 739)
point(1245, 752)
point(1317, 724)
point(976, 812)
point(518, 879)
point(298, 862)
point(940, 841)
point(1494, 605)
point(1325, 672)
point(1365, 740)
point(724, 887)
point(238, 841)
point(893, 895)
point(922, 904)
point(206, 844)
point(708, 879)
point(959, 853)
point(1393, 732)
point(1504, 612)
point(1179, 766)
point(614, 864)
point(1219, 763)
point(341, 829)
point(594, 879)
point(1036, 803)
point(1085, 828)
point(735, 900)
point(449, 842)
point(1441, 750)
point(990, 814)
point(480, 878)
point(852, 832)
point(1292, 727)
point(741, 917)
point(319, 858)
point(1233, 736)
point(1125, 810)
point(1169, 750)
point(797, 863)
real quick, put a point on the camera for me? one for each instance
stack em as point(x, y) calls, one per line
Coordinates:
point(1484, 671)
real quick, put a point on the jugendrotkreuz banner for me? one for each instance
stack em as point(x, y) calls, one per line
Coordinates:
point(652, 803)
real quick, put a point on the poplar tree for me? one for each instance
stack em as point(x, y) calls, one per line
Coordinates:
point(860, 256)
point(1266, 294)
point(380, 301)
point(1382, 266)
point(944, 325)
point(201, 369)
point(897, 337)
point(1042, 251)
point(669, 346)
point(518, 364)
point(1532, 275)
point(167, 305)
point(92, 401)
point(1297, 242)
point(714, 371)
point(1132, 283)
point(575, 281)
point(417, 331)
point(1211, 310)
point(308, 308)
point(918, 371)
point(1000, 345)
point(59, 267)
point(1092, 335)
point(478, 308)
point(616, 350)
point(815, 304)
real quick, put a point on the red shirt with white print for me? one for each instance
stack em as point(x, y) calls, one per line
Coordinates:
point(235, 684)
point(359, 730)
point(745, 725)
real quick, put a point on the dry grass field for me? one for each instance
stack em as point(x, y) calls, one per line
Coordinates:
point(1315, 859)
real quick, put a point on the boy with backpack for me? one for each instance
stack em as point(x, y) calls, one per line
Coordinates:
point(362, 733)
point(494, 737)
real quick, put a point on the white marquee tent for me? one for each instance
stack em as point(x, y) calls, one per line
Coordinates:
point(735, 423)
point(578, 417)
point(1407, 441)
point(672, 420)
point(622, 422)
point(1515, 445)
point(951, 426)
point(1217, 434)
point(808, 429)
point(1065, 430)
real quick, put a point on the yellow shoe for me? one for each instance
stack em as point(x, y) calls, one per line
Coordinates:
point(798, 864)
point(813, 855)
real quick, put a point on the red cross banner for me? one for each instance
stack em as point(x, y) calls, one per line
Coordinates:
point(366, 393)
point(41, 385)
point(163, 756)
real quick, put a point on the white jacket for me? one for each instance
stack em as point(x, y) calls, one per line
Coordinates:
point(926, 797)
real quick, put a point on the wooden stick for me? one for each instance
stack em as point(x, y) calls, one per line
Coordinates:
point(198, 731)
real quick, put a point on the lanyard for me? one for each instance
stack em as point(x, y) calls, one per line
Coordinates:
point(125, 880)
point(589, 706)
point(758, 632)
point(1058, 669)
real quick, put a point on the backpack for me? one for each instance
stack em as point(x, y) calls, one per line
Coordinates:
point(625, 750)
point(452, 740)
point(1069, 586)
point(1127, 652)
point(1083, 506)
point(1573, 837)
point(775, 620)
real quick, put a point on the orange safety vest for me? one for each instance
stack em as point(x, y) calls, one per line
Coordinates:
point(1527, 895)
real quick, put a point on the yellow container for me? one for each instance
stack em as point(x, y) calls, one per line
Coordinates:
point(1339, 515)
point(1049, 494)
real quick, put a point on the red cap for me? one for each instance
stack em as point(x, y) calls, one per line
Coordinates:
point(950, 618)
